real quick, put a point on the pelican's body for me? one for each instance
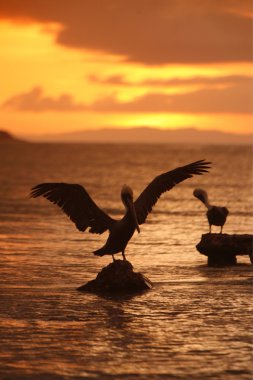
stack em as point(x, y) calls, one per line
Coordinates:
point(119, 237)
point(216, 215)
point(124, 229)
point(83, 211)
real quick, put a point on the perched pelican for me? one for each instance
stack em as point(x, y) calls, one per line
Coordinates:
point(216, 215)
point(82, 210)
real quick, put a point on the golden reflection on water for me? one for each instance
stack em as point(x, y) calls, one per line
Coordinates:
point(195, 323)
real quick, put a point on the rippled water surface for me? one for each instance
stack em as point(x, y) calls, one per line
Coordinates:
point(196, 322)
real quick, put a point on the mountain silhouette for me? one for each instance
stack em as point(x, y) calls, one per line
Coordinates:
point(6, 137)
point(149, 135)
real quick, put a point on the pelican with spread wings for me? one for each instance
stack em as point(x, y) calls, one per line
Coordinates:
point(82, 210)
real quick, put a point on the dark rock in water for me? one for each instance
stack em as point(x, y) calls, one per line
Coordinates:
point(222, 249)
point(117, 277)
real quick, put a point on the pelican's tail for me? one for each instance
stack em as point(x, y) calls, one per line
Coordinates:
point(202, 196)
point(100, 252)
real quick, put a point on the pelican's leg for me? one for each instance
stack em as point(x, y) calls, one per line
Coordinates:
point(113, 257)
point(221, 229)
point(210, 228)
point(123, 254)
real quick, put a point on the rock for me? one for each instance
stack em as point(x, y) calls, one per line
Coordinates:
point(117, 277)
point(222, 249)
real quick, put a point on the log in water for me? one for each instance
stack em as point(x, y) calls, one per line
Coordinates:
point(222, 249)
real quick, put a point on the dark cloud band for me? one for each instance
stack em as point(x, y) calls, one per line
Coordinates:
point(151, 32)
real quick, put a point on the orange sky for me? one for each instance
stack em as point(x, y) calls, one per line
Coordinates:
point(69, 66)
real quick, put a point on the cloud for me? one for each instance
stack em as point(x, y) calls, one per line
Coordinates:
point(35, 101)
point(151, 32)
point(236, 97)
point(120, 80)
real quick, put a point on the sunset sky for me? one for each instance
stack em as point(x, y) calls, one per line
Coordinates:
point(87, 64)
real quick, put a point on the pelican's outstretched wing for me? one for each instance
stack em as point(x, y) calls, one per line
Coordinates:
point(165, 182)
point(77, 204)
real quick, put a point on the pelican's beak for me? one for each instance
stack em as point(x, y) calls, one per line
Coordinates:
point(133, 213)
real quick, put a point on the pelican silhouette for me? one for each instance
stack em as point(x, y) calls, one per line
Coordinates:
point(216, 215)
point(82, 210)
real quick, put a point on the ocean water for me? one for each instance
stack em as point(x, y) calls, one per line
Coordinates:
point(196, 322)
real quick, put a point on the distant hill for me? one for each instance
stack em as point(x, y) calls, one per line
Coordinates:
point(150, 135)
point(6, 137)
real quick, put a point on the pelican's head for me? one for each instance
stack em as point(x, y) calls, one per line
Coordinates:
point(127, 197)
point(201, 195)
